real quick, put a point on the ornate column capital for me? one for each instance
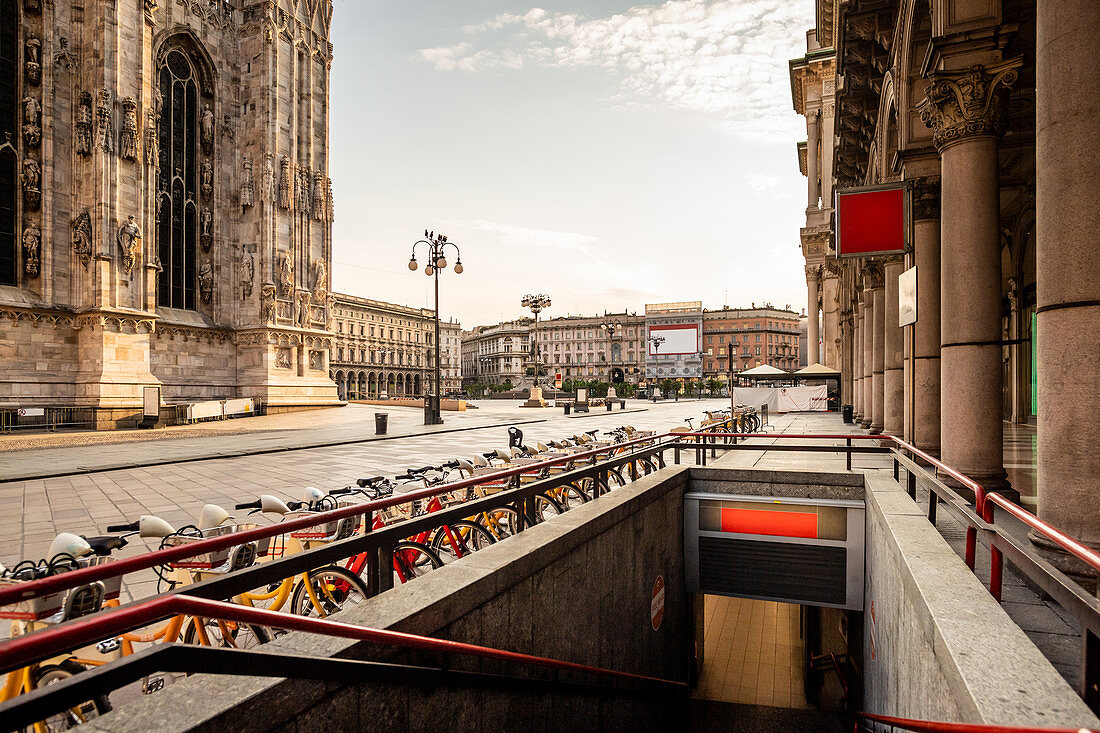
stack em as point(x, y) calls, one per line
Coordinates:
point(813, 273)
point(873, 277)
point(968, 104)
point(926, 197)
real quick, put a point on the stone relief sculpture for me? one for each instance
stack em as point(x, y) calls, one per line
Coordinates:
point(319, 206)
point(128, 135)
point(207, 185)
point(206, 129)
point(32, 241)
point(150, 8)
point(330, 311)
point(319, 278)
point(32, 122)
point(248, 272)
point(206, 281)
point(84, 124)
point(32, 6)
point(227, 128)
point(31, 179)
point(129, 241)
point(286, 190)
point(316, 360)
point(32, 60)
point(267, 304)
point(302, 188)
point(103, 120)
point(286, 273)
point(82, 237)
point(282, 359)
point(206, 224)
point(267, 186)
point(246, 182)
point(64, 58)
point(301, 312)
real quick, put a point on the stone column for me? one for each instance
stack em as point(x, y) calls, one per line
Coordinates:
point(868, 327)
point(830, 321)
point(813, 191)
point(965, 111)
point(847, 393)
point(893, 386)
point(812, 338)
point(926, 333)
point(859, 316)
point(1068, 277)
point(878, 352)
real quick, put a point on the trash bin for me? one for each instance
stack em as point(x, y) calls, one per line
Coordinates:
point(846, 411)
point(381, 419)
point(610, 405)
point(566, 408)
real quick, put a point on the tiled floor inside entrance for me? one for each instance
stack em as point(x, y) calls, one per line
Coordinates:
point(752, 653)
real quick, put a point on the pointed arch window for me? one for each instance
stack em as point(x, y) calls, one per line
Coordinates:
point(177, 181)
point(9, 137)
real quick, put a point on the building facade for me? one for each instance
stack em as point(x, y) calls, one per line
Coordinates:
point(496, 354)
point(987, 112)
point(758, 336)
point(578, 347)
point(450, 356)
point(165, 206)
point(674, 340)
point(381, 348)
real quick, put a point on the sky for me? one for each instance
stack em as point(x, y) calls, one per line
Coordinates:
point(609, 154)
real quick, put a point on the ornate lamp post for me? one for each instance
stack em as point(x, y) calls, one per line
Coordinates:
point(436, 244)
point(610, 327)
point(656, 341)
point(537, 303)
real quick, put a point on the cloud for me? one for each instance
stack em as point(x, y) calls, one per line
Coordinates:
point(722, 58)
point(532, 240)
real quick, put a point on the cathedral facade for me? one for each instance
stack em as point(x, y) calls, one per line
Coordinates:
point(165, 206)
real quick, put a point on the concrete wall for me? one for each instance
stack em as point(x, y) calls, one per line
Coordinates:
point(576, 588)
point(943, 648)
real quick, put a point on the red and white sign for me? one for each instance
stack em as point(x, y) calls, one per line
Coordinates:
point(872, 220)
point(657, 603)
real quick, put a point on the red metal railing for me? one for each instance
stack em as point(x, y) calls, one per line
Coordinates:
point(935, 726)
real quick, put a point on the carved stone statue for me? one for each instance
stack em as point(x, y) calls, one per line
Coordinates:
point(31, 180)
point(319, 278)
point(246, 182)
point(152, 130)
point(282, 359)
point(301, 315)
point(32, 240)
point(286, 273)
point(302, 186)
point(150, 8)
point(128, 135)
point(82, 237)
point(129, 241)
point(328, 197)
point(206, 129)
point(103, 120)
point(267, 187)
point(32, 60)
point(286, 183)
point(207, 185)
point(267, 304)
point(319, 207)
point(330, 310)
point(32, 6)
point(206, 281)
point(84, 124)
point(32, 121)
point(248, 272)
point(206, 225)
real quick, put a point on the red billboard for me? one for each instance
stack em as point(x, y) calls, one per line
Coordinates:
point(872, 220)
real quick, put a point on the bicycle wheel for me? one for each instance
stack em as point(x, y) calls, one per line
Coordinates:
point(546, 507)
point(240, 636)
point(468, 537)
point(413, 559)
point(48, 674)
point(615, 478)
point(571, 496)
point(335, 589)
point(500, 522)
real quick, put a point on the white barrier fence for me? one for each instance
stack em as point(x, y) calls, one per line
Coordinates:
point(220, 409)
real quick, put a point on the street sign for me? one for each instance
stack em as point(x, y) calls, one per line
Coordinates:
point(657, 603)
point(557, 381)
point(872, 220)
point(907, 297)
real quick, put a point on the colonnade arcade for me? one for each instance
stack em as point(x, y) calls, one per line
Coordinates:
point(364, 385)
point(987, 113)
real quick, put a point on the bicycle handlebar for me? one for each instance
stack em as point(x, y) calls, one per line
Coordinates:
point(247, 505)
point(131, 527)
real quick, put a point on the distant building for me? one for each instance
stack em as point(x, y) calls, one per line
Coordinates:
point(450, 355)
point(764, 335)
point(381, 347)
point(674, 333)
point(579, 347)
point(496, 354)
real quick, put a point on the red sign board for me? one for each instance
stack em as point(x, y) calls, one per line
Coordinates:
point(760, 521)
point(657, 603)
point(872, 220)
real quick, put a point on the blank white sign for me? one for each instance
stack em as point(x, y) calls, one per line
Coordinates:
point(678, 340)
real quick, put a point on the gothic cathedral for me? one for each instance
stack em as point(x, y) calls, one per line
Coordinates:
point(165, 206)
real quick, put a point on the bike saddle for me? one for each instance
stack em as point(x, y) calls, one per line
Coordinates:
point(541, 447)
point(591, 432)
point(104, 546)
point(371, 481)
point(465, 465)
point(480, 461)
point(503, 454)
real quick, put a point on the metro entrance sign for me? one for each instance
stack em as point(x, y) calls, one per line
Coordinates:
point(872, 220)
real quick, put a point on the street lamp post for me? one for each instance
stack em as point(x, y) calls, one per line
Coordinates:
point(656, 341)
point(537, 303)
point(610, 327)
point(436, 244)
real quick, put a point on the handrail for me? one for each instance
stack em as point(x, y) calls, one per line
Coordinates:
point(936, 726)
point(63, 581)
point(59, 639)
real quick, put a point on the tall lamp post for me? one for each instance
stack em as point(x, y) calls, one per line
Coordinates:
point(537, 303)
point(656, 341)
point(610, 327)
point(436, 244)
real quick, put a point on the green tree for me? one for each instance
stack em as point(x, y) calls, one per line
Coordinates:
point(713, 385)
